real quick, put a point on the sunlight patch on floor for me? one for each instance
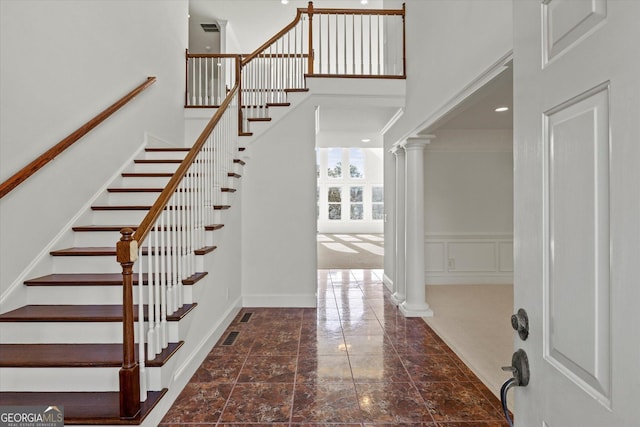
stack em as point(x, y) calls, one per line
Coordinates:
point(339, 247)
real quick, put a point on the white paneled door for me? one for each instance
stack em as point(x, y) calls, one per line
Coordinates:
point(577, 210)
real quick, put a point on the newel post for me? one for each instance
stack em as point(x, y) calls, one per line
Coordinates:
point(311, 56)
point(127, 254)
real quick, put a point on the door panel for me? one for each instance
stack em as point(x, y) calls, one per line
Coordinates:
point(577, 323)
point(566, 21)
point(577, 210)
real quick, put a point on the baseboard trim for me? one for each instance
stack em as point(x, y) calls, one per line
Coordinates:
point(387, 282)
point(468, 280)
point(272, 301)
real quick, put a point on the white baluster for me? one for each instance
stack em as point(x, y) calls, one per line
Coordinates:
point(141, 330)
point(151, 332)
point(153, 252)
point(193, 81)
point(163, 281)
point(207, 101)
point(353, 42)
point(370, 43)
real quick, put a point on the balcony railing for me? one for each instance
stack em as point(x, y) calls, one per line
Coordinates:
point(353, 43)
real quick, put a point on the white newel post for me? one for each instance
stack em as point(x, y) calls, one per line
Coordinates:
point(398, 295)
point(415, 304)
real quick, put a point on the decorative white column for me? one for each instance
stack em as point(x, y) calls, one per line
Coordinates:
point(398, 295)
point(415, 304)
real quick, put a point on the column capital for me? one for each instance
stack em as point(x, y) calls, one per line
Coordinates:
point(396, 148)
point(418, 142)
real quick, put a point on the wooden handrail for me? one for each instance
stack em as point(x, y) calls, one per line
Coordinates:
point(154, 213)
point(273, 39)
point(24, 173)
point(389, 12)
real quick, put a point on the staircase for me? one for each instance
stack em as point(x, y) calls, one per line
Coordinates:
point(65, 347)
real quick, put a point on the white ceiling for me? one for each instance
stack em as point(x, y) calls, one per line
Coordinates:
point(478, 110)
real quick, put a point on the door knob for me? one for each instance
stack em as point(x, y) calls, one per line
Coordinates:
point(520, 370)
point(520, 323)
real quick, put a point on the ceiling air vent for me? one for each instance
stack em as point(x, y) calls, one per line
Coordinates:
point(210, 28)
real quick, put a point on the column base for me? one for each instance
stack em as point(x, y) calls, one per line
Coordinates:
point(413, 310)
point(397, 299)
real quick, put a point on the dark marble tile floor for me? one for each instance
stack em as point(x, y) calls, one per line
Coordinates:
point(354, 361)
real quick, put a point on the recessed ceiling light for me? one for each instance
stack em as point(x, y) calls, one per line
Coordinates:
point(365, 140)
point(501, 109)
point(364, 1)
point(285, 1)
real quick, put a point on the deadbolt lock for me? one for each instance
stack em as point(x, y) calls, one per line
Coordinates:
point(520, 323)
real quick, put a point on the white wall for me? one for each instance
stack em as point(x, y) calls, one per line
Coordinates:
point(469, 207)
point(279, 214)
point(448, 45)
point(63, 62)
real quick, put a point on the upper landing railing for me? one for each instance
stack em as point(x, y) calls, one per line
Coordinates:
point(353, 43)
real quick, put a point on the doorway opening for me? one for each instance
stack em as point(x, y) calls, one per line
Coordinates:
point(469, 228)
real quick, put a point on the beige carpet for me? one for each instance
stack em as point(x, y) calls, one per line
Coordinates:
point(474, 320)
point(360, 251)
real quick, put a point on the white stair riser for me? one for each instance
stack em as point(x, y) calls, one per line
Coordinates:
point(78, 332)
point(155, 167)
point(130, 217)
point(131, 199)
point(97, 264)
point(118, 217)
point(92, 295)
point(165, 155)
point(59, 379)
point(144, 182)
point(110, 238)
point(149, 198)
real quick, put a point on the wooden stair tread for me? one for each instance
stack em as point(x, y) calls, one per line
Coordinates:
point(303, 89)
point(88, 228)
point(278, 104)
point(147, 174)
point(234, 175)
point(213, 227)
point(259, 119)
point(120, 208)
point(243, 148)
point(84, 408)
point(240, 162)
point(245, 134)
point(157, 161)
point(111, 250)
point(221, 207)
point(166, 149)
point(228, 190)
point(205, 250)
point(79, 313)
point(103, 227)
point(73, 355)
point(134, 190)
point(98, 279)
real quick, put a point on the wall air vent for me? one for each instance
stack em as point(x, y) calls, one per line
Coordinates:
point(210, 28)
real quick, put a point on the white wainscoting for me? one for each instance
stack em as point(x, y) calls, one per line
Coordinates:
point(469, 258)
